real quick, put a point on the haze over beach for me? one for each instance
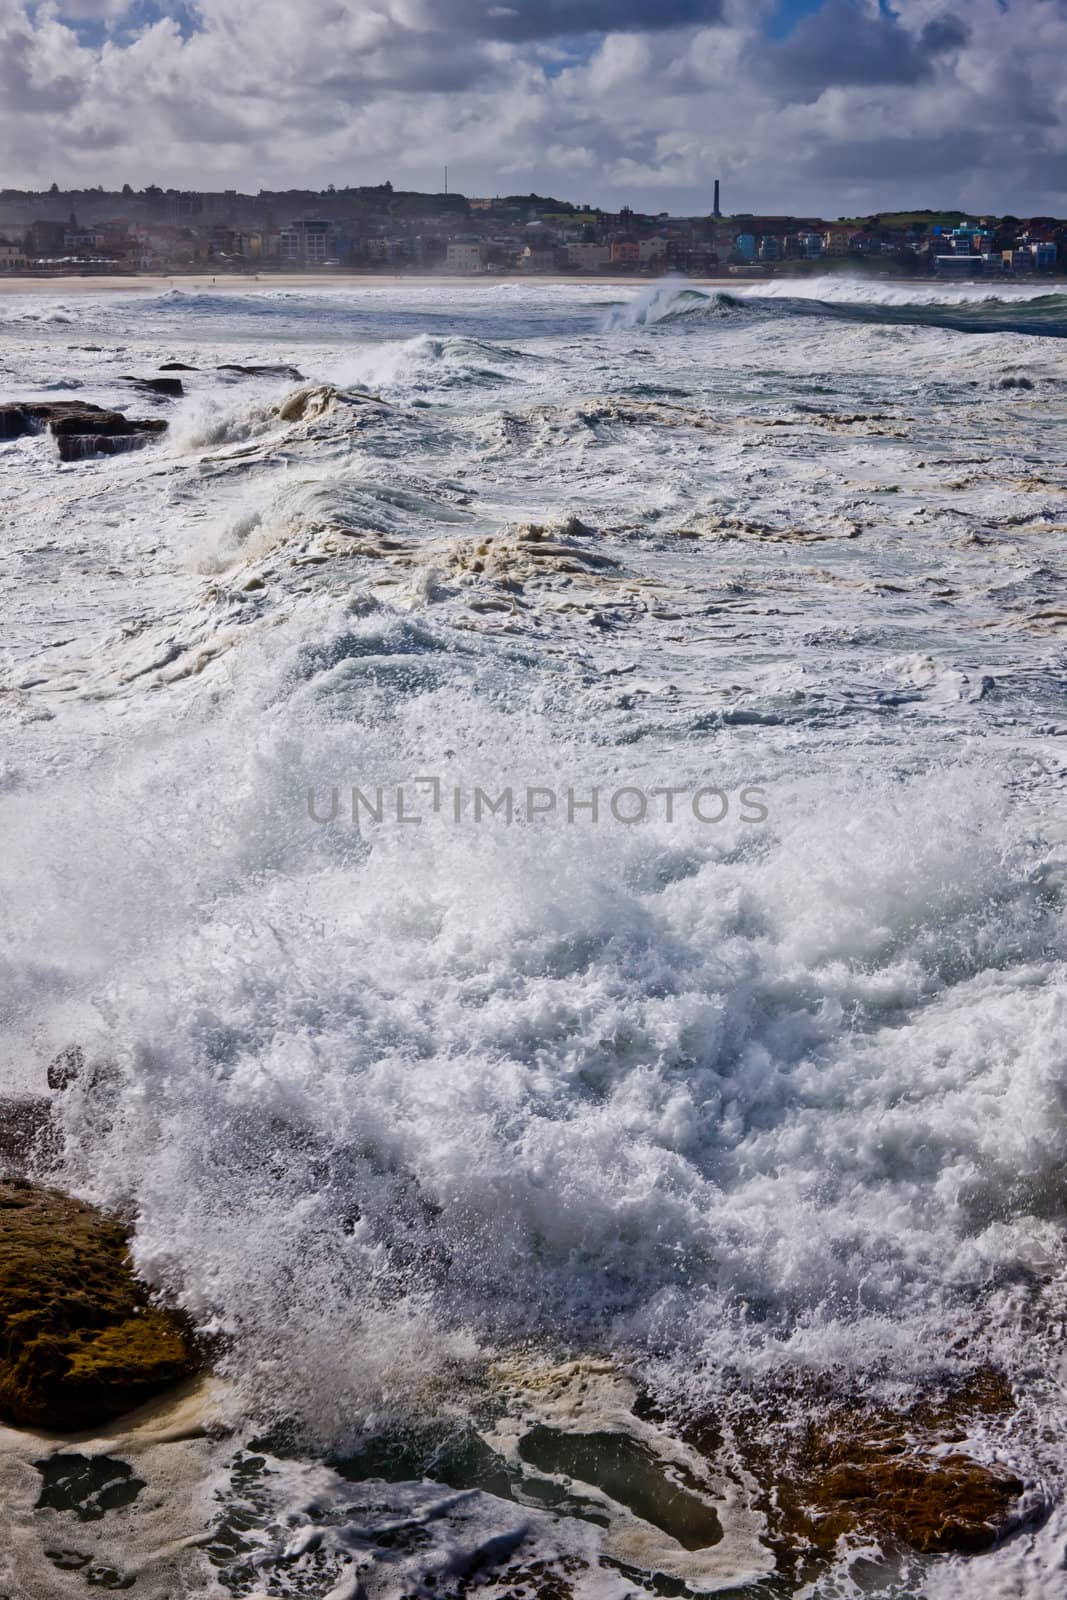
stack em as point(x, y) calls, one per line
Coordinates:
point(533, 1006)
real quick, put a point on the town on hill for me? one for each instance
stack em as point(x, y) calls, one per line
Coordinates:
point(379, 228)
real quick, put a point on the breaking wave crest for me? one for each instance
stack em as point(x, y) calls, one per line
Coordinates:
point(672, 302)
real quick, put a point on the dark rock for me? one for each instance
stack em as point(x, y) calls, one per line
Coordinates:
point(80, 1339)
point(69, 417)
point(171, 388)
point(15, 422)
point(79, 429)
point(177, 366)
point(66, 1068)
point(1015, 383)
point(83, 446)
point(88, 1486)
point(68, 1560)
point(264, 372)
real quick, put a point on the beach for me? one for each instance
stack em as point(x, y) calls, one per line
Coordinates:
point(245, 283)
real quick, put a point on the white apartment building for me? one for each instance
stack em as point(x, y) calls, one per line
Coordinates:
point(462, 256)
point(12, 258)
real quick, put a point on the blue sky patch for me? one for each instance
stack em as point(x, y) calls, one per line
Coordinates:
point(139, 14)
point(788, 14)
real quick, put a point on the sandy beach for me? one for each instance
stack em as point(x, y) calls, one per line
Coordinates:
point(245, 283)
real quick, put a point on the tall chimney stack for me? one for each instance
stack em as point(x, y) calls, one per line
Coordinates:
point(718, 211)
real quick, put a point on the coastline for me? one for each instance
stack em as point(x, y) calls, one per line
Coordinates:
point(15, 284)
point(245, 283)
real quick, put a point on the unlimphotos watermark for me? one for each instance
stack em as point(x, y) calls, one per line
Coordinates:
point(411, 803)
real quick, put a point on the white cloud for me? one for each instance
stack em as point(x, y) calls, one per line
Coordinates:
point(960, 100)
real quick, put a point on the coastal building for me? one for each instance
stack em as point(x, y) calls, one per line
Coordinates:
point(310, 242)
point(959, 266)
point(44, 237)
point(745, 245)
point(159, 245)
point(836, 241)
point(589, 257)
point(970, 239)
point(696, 261)
point(536, 259)
point(1044, 254)
point(78, 240)
point(463, 255)
point(625, 253)
point(649, 251)
point(770, 249)
point(12, 256)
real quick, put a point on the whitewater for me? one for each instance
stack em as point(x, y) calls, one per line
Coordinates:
point(542, 808)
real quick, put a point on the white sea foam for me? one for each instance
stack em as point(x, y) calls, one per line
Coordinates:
point(392, 1104)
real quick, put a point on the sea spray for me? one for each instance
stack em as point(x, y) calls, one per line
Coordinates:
point(397, 1111)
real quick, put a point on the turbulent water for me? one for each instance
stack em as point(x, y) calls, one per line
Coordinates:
point(548, 831)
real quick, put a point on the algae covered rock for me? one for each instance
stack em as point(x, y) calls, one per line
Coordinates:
point(80, 1340)
point(906, 1477)
point(832, 1468)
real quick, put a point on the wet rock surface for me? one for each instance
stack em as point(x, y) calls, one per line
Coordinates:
point(169, 388)
point(236, 370)
point(87, 1486)
point(907, 1479)
point(79, 429)
point(80, 1339)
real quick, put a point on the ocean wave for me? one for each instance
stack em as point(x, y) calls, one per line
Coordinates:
point(400, 1102)
point(533, 1082)
point(424, 364)
point(672, 302)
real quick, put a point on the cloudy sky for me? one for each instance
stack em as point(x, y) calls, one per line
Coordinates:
point(836, 106)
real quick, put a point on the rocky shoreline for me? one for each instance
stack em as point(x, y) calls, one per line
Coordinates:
point(81, 1338)
point(83, 1341)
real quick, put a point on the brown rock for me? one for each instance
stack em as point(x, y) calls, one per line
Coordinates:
point(847, 1469)
point(80, 1339)
point(932, 1503)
